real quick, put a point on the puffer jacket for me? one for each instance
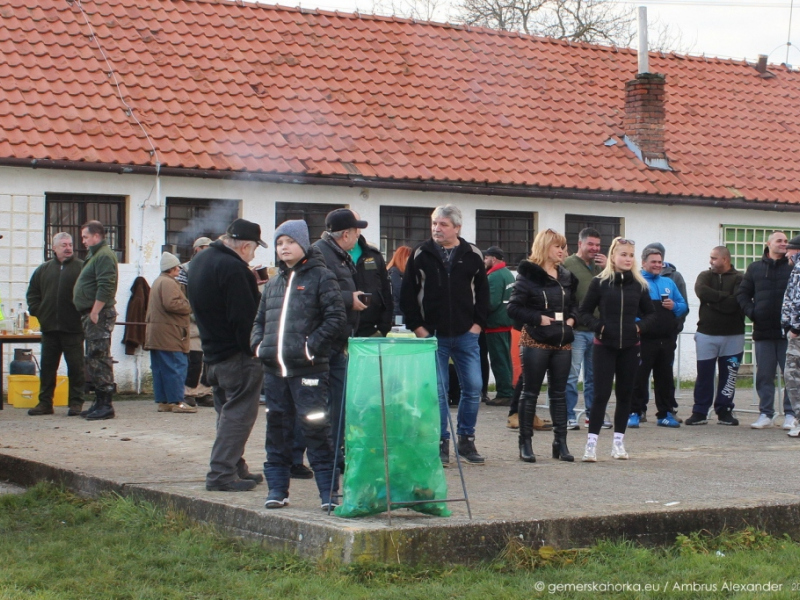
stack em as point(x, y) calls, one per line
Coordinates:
point(341, 265)
point(536, 293)
point(761, 295)
point(300, 315)
point(620, 300)
point(371, 277)
point(167, 317)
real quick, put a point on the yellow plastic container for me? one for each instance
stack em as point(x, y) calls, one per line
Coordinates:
point(23, 391)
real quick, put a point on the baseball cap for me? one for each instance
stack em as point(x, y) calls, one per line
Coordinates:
point(341, 219)
point(241, 229)
point(201, 241)
point(495, 251)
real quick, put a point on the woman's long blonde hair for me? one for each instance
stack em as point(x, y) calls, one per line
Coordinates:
point(608, 272)
point(541, 245)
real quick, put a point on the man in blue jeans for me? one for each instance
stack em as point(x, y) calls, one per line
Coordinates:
point(445, 293)
point(585, 264)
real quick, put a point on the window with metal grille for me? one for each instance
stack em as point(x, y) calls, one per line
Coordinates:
point(510, 230)
point(190, 218)
point(313, 214)
point(746, 244)
point(403, 226)
point(608, 227)
point(67, 212)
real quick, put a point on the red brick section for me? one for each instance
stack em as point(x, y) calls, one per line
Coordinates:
point(239, 87)
point(645, 114)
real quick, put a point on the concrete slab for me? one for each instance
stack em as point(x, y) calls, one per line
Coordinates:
point(677, 481)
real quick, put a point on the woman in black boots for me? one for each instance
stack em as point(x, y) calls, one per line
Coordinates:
point(623, 297)
point(543, 301)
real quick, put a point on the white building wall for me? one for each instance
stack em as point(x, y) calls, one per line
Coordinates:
point(688, 233)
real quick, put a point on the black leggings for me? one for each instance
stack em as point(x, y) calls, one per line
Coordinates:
point(610, 364)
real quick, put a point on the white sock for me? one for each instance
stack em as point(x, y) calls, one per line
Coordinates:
point(592, 439)
point(618, 437)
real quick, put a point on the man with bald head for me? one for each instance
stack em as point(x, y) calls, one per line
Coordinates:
point(761, 298)
point(719, 339)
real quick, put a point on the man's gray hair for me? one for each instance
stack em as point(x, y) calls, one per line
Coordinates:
point(234, 243)
point(60, 236)
point(337, 235)
point(448, 211)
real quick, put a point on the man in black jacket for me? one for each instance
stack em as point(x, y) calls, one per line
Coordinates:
point(761, 299)
point(341, 237)
point(49, 299)
point(445, 293)
point(224, 298)
point(372, 278)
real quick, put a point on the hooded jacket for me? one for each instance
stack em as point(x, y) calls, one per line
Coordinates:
point(49, 296)
point(167, 319)
point(501, 284)
point(224, 298)
point(445, 302)
point(761, 295)
point(720, 313)
point(300, 315)
point(341, 265)
point(536, 293)
point(666, 322)
point(620, 300)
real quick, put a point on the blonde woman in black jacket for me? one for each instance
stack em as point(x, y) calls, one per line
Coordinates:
point(544, 301)
point(622, 295)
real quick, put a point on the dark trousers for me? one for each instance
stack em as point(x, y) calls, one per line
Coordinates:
point(556, 364)
point(236, 382)
point(291, 401)
point(336, 389)
point(483, 347)
point(54, 344)
point(657, 356)
point(499, 345)
point(194, 369)
point(726, 386)
point(612, 364)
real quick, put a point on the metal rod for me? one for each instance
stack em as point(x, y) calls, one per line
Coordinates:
point(455, 442)
point(385, 439)
point(338, 432)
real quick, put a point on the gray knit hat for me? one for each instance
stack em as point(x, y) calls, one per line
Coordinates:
point(168, 261)
point(654, 248)
point(297, 230)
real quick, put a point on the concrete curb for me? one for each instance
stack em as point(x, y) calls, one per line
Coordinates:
point(457, 541)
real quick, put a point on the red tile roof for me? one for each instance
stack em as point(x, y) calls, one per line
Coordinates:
point(234, 86)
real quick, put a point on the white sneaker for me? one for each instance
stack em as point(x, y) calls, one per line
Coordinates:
point(789, 422)
point(586, 423)
point(764, 422)
point(572, 424)
point(590, 453)
point(795, 431)
point(607, 424)
point(618, 451)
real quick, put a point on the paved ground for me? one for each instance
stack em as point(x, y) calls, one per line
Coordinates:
point(704, 467)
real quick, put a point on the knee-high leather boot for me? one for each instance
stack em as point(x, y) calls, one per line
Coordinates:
point(527, 408)
point(558, 411)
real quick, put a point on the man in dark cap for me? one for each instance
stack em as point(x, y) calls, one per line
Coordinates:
point(496, 340)
point(224, 299)
point(337, 241)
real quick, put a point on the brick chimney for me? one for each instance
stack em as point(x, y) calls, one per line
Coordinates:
point(644, 118)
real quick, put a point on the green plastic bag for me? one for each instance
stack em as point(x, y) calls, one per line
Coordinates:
point(404, 370)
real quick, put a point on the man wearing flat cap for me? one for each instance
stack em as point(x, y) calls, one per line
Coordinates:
point(340, 237)
point(496, 341)
point(224, 298)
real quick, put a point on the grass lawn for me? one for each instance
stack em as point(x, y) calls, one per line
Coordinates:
point(56, 545)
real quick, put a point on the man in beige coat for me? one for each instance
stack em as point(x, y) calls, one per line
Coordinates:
point(167, 337)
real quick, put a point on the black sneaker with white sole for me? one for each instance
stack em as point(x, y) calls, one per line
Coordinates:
point(726, 417)
point(697, 419)
point(276, 500)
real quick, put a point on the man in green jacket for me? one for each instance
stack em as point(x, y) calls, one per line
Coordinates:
point(498, 325)
point(49, 299)
point(95, 296)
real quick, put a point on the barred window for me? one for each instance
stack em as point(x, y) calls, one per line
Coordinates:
point(510, 230)
point(190, 218)
point(313, 214)
point(67, 212)
point(608, 227)
point(403, 226)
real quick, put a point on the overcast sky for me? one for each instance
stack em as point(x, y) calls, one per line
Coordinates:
point(726, 28)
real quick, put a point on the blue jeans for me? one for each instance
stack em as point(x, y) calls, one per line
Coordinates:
point(464, 351)
point(581, 354)
point(169, 374)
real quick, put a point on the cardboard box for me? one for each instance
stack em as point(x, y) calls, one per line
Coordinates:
point(23, 391)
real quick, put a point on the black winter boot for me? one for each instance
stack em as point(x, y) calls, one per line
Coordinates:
point(467, 450)
point(527, 410)
point(558, 412)
point(444, 452)
point(104, 408)
point(41, 409)
point(92, 408)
